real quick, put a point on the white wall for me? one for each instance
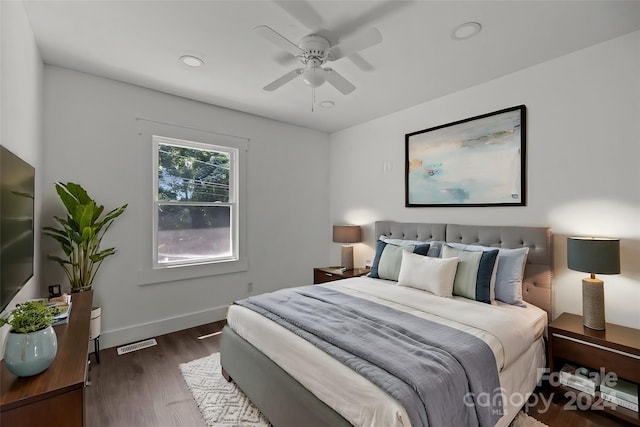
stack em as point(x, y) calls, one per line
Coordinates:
point(583, 118)
point(20, 116)
point(91, 138)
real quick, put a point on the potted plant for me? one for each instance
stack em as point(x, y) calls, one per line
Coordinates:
point(80, 234)
point(31, 345)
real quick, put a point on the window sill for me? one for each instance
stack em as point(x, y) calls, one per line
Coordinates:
point(177, 273)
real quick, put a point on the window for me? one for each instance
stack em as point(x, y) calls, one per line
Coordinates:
point(195, 203)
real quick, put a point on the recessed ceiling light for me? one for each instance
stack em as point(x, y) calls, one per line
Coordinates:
point(466, 30)
point(327, 104)
point(191, 61)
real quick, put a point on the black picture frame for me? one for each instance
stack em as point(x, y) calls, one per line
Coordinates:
point(54, 291)
point(476, 162)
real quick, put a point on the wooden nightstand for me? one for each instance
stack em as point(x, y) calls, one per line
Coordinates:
point(328, 274)
point(616, 349)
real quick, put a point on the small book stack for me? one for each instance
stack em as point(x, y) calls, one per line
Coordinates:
point(335, 269)
point(623, 393)
point(580, 379)
point(63, 303)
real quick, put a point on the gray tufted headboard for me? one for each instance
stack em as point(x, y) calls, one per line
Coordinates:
point(536, 285)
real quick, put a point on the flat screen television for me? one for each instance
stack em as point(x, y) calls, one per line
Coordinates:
point(17, 190)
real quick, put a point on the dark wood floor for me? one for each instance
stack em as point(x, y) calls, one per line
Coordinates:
point(145, 388)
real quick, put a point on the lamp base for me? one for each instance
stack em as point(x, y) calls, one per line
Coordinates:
point(593, 304)
point(347, 257)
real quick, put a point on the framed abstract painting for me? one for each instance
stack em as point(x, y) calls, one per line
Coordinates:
point(479, 161)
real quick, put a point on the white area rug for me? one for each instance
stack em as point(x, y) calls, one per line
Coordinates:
point(223, 404)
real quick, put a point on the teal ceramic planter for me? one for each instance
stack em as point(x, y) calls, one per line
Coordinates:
point(29, 354)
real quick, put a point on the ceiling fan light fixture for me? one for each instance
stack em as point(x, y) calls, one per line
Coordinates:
point(314, 76)
point(327, 104)
point(466, 31)
point(191, 61)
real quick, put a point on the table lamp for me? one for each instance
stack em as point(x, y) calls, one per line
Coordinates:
point(347, 234)
point(593, 255)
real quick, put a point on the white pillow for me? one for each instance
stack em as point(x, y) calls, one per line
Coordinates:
point(430, 274)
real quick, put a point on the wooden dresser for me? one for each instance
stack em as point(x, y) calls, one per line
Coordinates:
point(56, 396)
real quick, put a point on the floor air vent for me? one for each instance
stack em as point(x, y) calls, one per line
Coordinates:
point(136, 346)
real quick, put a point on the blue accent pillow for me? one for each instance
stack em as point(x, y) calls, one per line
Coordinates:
point(376, 260)
point(476, 273)
point(386, 264)
point(422, 249)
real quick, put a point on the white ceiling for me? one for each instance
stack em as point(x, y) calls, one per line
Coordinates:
point(140, 42)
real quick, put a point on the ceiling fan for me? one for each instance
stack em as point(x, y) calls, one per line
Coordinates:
point(313, 51)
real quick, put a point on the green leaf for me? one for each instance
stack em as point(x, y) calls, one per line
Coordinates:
point(78, 192)
point(87, 234)
point(62, 238)
point(50, 231)
point(114, 214)
point(102, 255)
point(64, 222)
point(68, 249)
point(76, 237)
point(96, 213)
point(68, 200)
point(59, 260)
point(86, 216)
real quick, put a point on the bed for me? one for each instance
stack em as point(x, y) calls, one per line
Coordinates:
point(294, 383)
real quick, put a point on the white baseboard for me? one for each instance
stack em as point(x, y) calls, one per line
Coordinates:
point(144, 331)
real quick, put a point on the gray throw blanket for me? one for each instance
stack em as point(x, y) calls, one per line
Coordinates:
point(436, 372)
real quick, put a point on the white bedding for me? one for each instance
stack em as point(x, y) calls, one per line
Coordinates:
point(511, 332)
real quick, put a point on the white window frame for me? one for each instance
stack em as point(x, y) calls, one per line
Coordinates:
point(146, 274)
point(232, 203)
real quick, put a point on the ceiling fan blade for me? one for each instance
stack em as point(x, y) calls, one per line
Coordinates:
point(358, 61)
point(284, 79)
point(302, 12)
point(339, 82)
point(286, 59)
point(360, 41)
point(277, 39)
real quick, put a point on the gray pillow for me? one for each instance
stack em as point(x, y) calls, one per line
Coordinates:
point(435, 246)
point(390, 261)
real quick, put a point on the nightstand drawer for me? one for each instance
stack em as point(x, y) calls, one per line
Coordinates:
point(596, 356)
point(320, 276)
